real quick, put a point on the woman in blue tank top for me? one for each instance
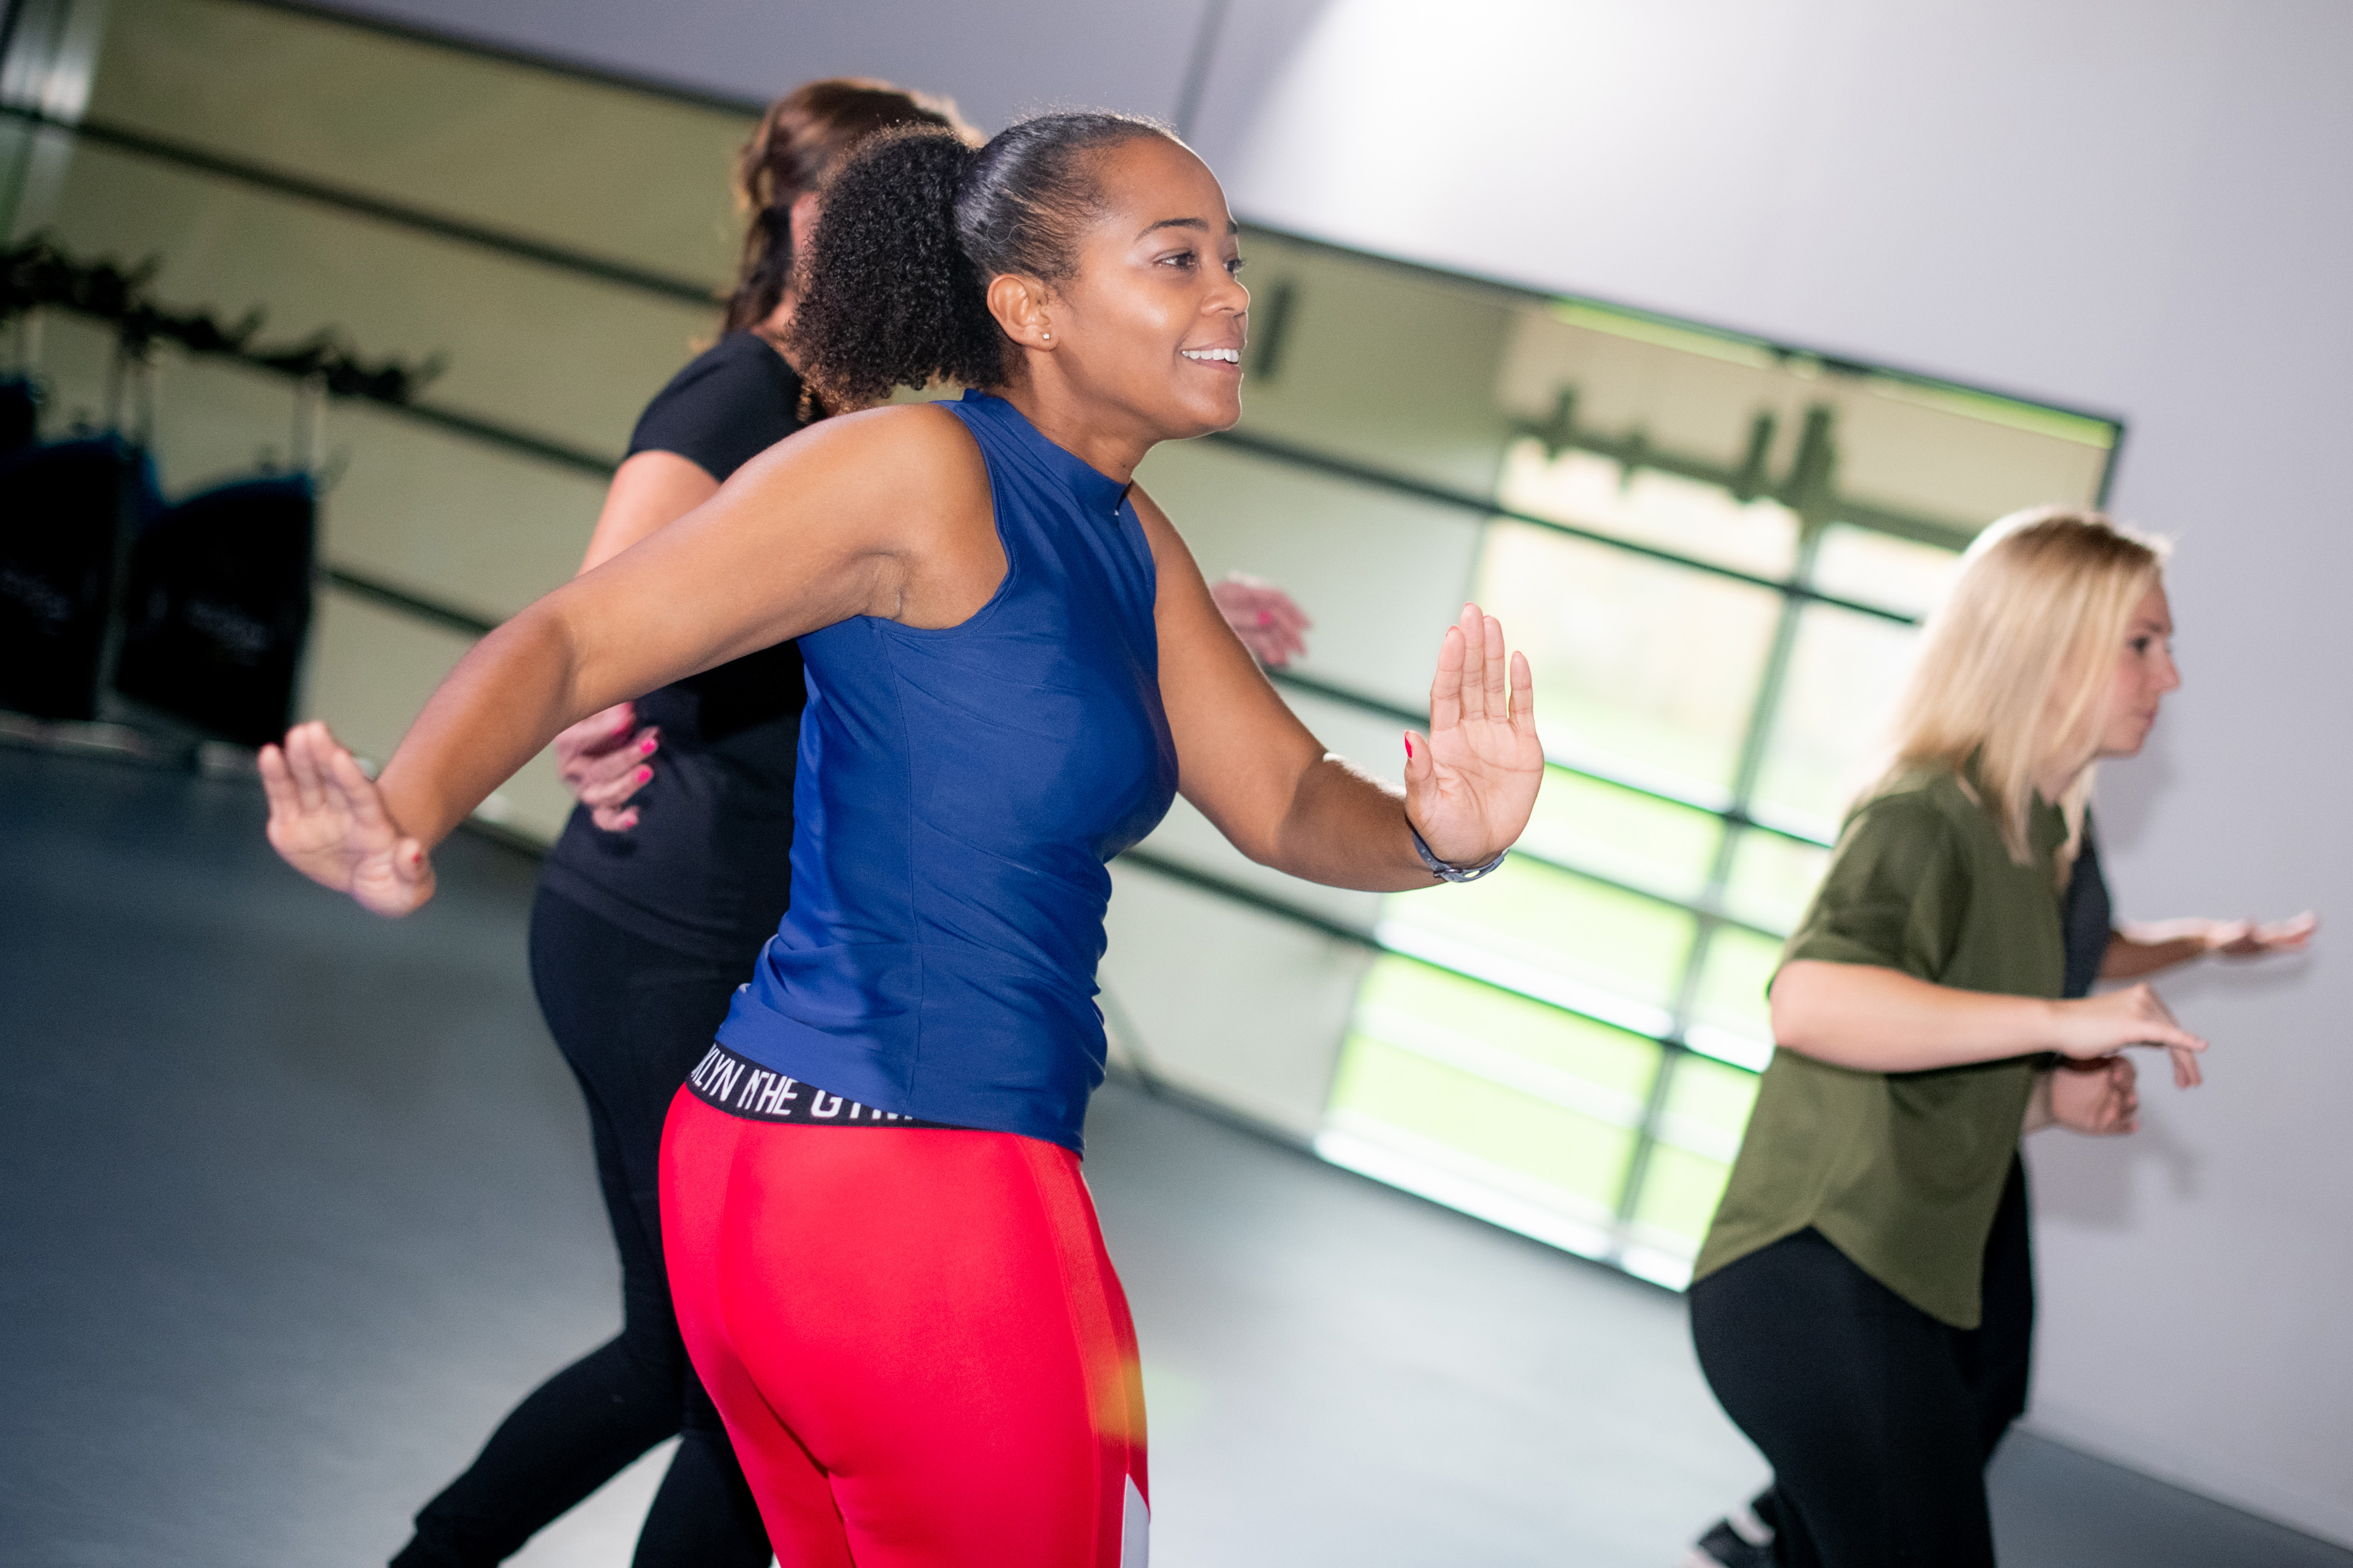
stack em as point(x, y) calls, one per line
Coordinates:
point(883, 1258)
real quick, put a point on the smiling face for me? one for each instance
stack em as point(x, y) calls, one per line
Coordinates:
point(2145, 673)
point(1147, 334)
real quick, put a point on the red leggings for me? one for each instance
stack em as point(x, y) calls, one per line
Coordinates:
point(914, 1337)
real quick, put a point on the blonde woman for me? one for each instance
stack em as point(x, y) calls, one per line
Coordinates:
point(1862, 1303)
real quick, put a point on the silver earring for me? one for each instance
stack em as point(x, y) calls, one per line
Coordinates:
point(1049, 337)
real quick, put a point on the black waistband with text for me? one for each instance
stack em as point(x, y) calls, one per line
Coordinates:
point(725, 1081)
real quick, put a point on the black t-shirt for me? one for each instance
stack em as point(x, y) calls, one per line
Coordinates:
point(707, 870)
point(2087, 917)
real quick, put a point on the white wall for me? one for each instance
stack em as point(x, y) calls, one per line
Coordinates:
point(2139, 207)
point(997, 59)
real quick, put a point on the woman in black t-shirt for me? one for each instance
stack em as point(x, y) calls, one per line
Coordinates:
point(658, 897)
point(692, 857)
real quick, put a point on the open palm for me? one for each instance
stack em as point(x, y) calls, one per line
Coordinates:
point(1469, 788)
point(327, 819)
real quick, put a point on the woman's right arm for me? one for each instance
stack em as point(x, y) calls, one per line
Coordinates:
point(1875, 1019)
point(2144, 948)
point(864, 515)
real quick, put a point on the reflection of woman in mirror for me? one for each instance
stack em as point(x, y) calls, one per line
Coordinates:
point(1863, 1301)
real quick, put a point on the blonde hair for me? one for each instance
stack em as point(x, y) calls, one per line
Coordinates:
point(2013, 665)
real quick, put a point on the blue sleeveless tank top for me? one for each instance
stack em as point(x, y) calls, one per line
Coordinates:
point(959, 793)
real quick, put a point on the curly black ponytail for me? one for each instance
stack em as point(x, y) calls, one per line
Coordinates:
point(915, 224)
point(888, 298)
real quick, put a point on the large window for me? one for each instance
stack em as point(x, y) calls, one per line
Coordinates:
point(1570, 1046)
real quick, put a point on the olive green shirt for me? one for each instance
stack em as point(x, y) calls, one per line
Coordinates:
point(1903, 1170)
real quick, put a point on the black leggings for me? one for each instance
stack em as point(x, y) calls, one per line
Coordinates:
point(1877, 1419)
point(632, 1019)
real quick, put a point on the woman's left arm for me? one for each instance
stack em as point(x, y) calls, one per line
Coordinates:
point(2147, 947)
point(1270, 786)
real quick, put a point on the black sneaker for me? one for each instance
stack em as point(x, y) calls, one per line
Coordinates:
point(1740, 1540)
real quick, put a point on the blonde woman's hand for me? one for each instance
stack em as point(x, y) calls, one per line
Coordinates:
point(2102, 1025)
point(603, 761)
point(2097, 1098)
point(327, 819)
point(1470, 786)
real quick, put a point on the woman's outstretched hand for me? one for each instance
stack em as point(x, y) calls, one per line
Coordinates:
point(2102, 1025)
point(2255, 939)
point(2144, 947)
point(1470, 786)
point(327, 819)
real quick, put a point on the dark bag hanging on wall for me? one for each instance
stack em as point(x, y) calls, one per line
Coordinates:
point(67, 512)
point(20, 410)
point(217, 606)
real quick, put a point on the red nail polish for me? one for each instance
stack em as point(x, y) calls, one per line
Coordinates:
point(645, 775)
point(646, 746)
point(1409, 748)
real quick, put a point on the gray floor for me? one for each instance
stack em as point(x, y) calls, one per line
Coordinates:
point(294, 1203)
